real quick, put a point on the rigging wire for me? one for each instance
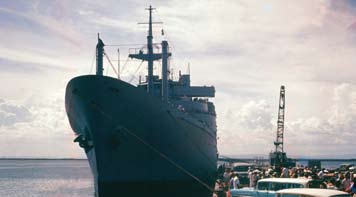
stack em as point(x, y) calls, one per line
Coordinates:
point(107, 70)
point(112, 66)
point(92, 62)
point(124, 66)
point(134, 75)
point(121, 45)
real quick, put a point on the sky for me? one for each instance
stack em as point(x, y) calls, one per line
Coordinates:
point(247, 49)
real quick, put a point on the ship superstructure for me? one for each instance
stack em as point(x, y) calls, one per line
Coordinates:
point(154, 139)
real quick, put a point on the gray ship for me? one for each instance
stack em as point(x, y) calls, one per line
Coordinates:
point(154, 139)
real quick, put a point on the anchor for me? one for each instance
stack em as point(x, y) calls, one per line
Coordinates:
point(84, 143)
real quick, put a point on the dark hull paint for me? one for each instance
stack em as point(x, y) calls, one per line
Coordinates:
point(142, 147)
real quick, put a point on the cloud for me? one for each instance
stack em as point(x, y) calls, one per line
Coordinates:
point(11, 114)
point(241, 129)
point(55, 26)
point(18, 62)
point(253, 116)
point(110, 22)
point(251, 129)
point(337, 123)
point(246, 49)
point(42, 125)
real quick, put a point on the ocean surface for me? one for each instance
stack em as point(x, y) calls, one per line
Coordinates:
point(46, 178)
point(60, 178)
point(328, 164)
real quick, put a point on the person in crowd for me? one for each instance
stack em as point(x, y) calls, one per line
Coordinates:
point(249, 176)
point(234, 181)
point(257, 177)
point(321, 173)
point(221, 170)
point(253, 178)
point(338, 182)
point(352, 188)
point(322, 185)
point(331, 184)
point(285, 173)
point(346, 182)
point(227, 177)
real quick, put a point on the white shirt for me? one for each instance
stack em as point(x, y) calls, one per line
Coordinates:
point(236, 182)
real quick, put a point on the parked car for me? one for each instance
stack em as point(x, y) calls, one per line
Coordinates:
point(268, 187)
point(308, 192)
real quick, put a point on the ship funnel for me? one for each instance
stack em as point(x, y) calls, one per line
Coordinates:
point(99, 57)
point(165, 56)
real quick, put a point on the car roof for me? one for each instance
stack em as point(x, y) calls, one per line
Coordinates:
point(286, 180)
point(313, 192)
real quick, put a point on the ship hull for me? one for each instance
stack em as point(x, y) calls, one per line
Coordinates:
point(140, 145)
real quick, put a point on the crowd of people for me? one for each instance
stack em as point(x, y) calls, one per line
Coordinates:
point(338, 179)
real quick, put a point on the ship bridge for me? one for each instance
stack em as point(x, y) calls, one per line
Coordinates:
point(184, 96)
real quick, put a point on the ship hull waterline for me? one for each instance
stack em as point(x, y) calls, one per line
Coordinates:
point(141, 146)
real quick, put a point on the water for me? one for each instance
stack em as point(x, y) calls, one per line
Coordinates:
point(60, 178)
point(46, 178)
point(327, 164)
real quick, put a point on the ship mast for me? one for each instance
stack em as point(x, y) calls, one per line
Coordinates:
point(150, 51)
point(150, 56)
point(99, 57)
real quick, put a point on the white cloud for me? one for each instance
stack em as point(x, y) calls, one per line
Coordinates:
point(251, 129)
point(40, 130)
point(114, 23)
point(64, 30)
point(246, 49)
point(245, 130)
point(253, 116)
point(30, 57)
point(11, 114)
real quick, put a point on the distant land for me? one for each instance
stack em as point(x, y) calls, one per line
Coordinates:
point(245, 156)
point(264, 156)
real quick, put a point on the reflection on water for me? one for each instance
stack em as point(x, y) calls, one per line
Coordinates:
point(45, 178)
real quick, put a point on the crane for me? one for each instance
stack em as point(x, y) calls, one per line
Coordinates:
point(278, 158)
point(280, 122)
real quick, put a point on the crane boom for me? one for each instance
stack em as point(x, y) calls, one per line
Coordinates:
point(278, 158)
point(280, 122)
